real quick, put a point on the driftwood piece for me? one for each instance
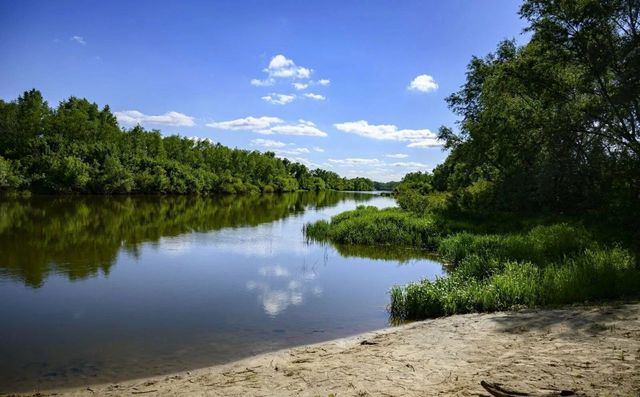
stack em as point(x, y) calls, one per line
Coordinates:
point(497, 390)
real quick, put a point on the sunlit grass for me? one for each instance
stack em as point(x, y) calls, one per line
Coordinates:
point(540, 265)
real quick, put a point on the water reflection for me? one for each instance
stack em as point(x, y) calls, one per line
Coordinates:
point(81, 237)
point(278, 288)
point(192, 281)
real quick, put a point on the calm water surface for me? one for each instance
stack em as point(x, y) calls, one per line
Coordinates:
point(101, 289)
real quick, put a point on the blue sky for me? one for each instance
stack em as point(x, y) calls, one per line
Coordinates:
point(357, 87)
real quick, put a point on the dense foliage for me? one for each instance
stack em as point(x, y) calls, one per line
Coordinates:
point(553, 125)
point(80, 148)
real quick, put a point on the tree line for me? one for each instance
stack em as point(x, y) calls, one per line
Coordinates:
point(549, 126)
point(79, 148)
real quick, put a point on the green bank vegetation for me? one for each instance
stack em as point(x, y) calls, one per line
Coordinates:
point(79, 148)
point(538, 201)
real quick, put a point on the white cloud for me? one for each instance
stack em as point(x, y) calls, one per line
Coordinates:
point(78, 39)
point(397, 156)
point(247, 123)
point(278, 99)
point(267, 143)
point(263, 83)
point(423, 83)
point(356, 161)
point(316, 97)
point(278, 147)
point(416, 138)
point(318, 149)
point(174, 119)
point(409, 164)
point(308, 129)
point(323, 82)
point(300, 86)
point(281, 66)
point(270, 125)
point(426, 143)
point(293, 152)
point(197, 139)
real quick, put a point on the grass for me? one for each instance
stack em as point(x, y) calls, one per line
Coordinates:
point(373, 226)
point(591, 276)
point(523, 265)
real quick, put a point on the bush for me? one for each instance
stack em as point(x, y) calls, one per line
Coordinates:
point(9, 178)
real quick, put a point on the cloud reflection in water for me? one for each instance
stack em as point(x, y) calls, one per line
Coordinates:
point(290, 290)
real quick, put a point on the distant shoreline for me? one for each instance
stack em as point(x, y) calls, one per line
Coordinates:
point(593, 350)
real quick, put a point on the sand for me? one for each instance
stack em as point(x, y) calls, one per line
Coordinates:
point(593, 351)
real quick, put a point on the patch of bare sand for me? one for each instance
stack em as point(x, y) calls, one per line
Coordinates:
point(590, 350)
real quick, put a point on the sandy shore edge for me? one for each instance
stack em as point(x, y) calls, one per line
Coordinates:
point(592, 350)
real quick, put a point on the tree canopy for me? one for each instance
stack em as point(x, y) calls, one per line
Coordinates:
point(553, 125)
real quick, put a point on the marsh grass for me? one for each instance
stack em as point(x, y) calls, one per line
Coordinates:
point(593, 275)
point(548, 264)
point(373, 226)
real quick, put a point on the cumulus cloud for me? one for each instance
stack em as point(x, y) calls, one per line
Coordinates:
point(197, 139)
point(318, 149)
point(292, 152)
point(78, 39)
point(423, 83)
point(269, 125)
point(315, 97)
point(268, 143)
point(279, 147)
point(278, 99)
point(281, 66)
point(426, 143)
point(308, 129)
point(175, 119)
point(397, 156)
point(416, 138)
point(323, 82)
point(300, 86)
point(247, 123)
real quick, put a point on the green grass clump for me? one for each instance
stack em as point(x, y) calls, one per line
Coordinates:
point(542, 244)
point(590, 276)
point(373, 226)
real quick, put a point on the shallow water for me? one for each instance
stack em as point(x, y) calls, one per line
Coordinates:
point(101, 289)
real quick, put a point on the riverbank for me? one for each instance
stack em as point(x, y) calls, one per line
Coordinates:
point(591, 350)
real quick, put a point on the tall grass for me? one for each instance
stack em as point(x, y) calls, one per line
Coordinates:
point(373, 226)
point(590, 276)
point(543, 265)
point(541, 244)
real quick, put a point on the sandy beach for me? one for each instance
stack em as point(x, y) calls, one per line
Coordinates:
point(592, 351)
